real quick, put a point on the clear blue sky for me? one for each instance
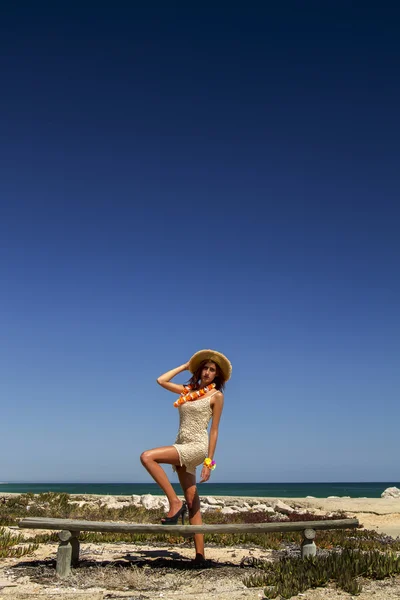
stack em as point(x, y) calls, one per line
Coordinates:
point(179, 176)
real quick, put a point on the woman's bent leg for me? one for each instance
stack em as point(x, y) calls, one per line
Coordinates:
point(150, 460)
point(188, 484)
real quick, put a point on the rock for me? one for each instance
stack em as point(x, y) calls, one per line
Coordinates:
point(213, 501)
point(262, 508)
point(111, 505)
point(147, 500)
point(391, 492)
point(79, 503)
point(249, 501)
point(238, 509)
point(318, 512)
point(227, 510)
point(111, 502)
point(279, 518)
point(204, 507)
point(281, 507)
point(152, 502)
point(163, 500)
point(106, 500)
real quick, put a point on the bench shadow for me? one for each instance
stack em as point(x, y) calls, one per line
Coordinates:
point(153, 559)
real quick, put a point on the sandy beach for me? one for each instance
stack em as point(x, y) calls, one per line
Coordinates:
point(380, 514)
point(153, 571)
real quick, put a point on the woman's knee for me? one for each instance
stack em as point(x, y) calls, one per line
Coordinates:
point(192, 500)
point(145, 457)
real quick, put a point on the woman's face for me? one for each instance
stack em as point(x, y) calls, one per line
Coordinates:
point(208, 373)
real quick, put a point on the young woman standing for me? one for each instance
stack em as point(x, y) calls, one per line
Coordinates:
point(200, 402)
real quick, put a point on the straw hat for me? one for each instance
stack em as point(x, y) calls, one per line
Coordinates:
point(216, 357)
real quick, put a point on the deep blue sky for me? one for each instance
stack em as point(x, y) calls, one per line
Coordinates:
point(179, 176)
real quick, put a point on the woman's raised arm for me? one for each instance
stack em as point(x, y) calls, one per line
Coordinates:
point(164, 380)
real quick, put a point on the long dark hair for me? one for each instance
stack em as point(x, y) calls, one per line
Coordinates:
point(219, 380)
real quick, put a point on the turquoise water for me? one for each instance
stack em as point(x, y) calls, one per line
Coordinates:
point(284, 490)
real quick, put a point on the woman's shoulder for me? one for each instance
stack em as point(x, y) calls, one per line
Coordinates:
point(217, 396)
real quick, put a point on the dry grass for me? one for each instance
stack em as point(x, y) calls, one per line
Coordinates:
point(162, 574)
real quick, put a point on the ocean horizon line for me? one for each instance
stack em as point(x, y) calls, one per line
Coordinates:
point(349, 489)
point(300, 482)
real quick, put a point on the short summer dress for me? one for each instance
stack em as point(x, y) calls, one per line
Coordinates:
point(192, 439)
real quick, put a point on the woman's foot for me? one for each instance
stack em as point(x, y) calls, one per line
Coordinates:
point(173, 520)
point(174, 508)
point(199, 558)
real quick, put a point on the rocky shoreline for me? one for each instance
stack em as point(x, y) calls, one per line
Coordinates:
point(382, 514)
point(275, 507)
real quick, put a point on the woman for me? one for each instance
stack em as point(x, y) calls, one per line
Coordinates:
point(199, 402)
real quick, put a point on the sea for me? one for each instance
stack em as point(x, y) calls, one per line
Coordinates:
point(280, 490)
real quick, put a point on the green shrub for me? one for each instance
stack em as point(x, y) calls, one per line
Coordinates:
point(12, 546)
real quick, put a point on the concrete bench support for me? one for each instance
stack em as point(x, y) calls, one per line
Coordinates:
point(64, 554)
point(308, 547)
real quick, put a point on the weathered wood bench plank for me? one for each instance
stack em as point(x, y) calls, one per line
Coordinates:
point(73, 525)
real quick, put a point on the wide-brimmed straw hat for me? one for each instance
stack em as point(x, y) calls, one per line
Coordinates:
point(216, 357)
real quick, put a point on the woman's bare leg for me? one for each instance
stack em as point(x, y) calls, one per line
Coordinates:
point(188, 484)
point(150, 460)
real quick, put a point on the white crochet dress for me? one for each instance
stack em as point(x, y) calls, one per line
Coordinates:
point(192, 439)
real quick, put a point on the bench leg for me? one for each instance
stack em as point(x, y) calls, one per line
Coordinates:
point(75, 548)
point(64, 554)
point(308, 547)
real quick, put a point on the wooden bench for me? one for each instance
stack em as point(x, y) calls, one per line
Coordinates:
point(69, 529)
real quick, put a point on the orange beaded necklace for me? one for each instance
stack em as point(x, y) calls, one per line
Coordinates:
point(187, 396)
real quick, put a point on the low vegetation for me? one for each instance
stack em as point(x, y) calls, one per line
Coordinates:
point(292, 575)
point(13, 546)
